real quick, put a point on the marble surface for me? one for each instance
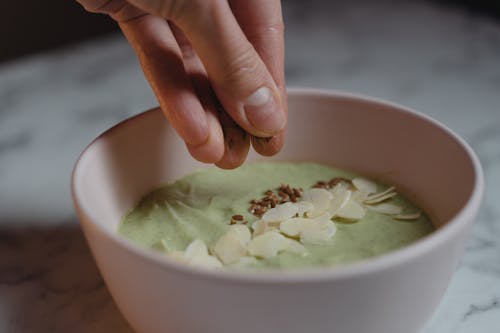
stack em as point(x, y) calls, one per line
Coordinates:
point(440, 60)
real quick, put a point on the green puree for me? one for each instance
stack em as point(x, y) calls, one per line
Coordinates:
point(201, 204)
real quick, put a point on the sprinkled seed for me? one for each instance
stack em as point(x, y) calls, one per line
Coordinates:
point(293, 198)
point(296, 193)
point(320, 184)
point(237, 217)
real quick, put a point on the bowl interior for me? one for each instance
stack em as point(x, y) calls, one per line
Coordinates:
point(423, 159)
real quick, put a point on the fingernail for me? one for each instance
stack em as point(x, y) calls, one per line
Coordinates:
point(264, 112)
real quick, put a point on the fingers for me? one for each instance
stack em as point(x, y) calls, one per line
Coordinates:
point(119, 10)
point(239, 77)
point(162, 63)
point(262, 23)
point(236, 141)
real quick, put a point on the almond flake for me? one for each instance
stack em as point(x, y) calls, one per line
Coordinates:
point(296, 247)
point(407, 217)
point(268, 244)
point(241, 232)
point(196, 254)
point(244, 261)
point(229, 249)
point(386, 208)
point(280, 212)
point(351, 211)
point(380, 198)
point(340, 197)
point(294, 226)
point(197, 248)
point(320, 198)
point(319, 233)
point(259, 227)
point(303, 207)
point(365, 185)
point(384, 192)
point(206, 261)
point(359, 196)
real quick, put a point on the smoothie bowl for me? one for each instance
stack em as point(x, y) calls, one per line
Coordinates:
point(380, 264)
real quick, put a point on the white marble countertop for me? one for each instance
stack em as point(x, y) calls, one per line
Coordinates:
point(442, 61)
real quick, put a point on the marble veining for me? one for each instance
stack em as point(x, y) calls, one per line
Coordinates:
point(440, 60)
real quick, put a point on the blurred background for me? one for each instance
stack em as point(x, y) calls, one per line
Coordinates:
point(67, 75)
point(32, 26)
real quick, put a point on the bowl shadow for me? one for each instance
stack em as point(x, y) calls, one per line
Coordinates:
point(49, 282)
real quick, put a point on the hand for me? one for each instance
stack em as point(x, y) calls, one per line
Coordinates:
point(216, 67)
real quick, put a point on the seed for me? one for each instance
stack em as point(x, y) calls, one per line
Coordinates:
point(296, 192)
point(293, 198)
point(269, 192)
point(237, 217)
point(336, 180)
point(320, 184)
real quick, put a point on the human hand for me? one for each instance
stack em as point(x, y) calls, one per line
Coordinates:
point(216, 67)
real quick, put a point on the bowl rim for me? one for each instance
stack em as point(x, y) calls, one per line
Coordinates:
point(450, 230)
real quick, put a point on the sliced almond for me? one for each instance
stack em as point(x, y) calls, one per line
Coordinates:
point(296, 247)
point(241, 232)
point(351, 211)
point(359, 196)
point(384, 192)
point(259, 227)
point(320, 233)
point(207, 261)
point(303, 207)
point(320, 198)
point(371, 201)
point(365, 185)
point(229, 249)
point(340, 197)
point(294, 226)
point(268, 244)
point(407, 217)
point(386, 208)
point(244, 262)
point(280, 212)
point(196, 248)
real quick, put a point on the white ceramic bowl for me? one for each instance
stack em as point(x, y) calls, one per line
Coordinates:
point(393, 293)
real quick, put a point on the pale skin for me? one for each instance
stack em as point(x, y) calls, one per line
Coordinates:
point(216, 68)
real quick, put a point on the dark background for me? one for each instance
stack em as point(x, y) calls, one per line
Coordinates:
point(31, 26)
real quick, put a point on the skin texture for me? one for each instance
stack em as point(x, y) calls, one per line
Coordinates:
point(200, 205)
point(204, 59)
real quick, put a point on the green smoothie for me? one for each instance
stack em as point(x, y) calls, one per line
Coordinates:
point(201, 206)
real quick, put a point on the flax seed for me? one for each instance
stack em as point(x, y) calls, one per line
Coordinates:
point(237, 217)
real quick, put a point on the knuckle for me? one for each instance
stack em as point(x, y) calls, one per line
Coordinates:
point(173, 9)
point(276, 29)
point(98, 6)
point(242, 69)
